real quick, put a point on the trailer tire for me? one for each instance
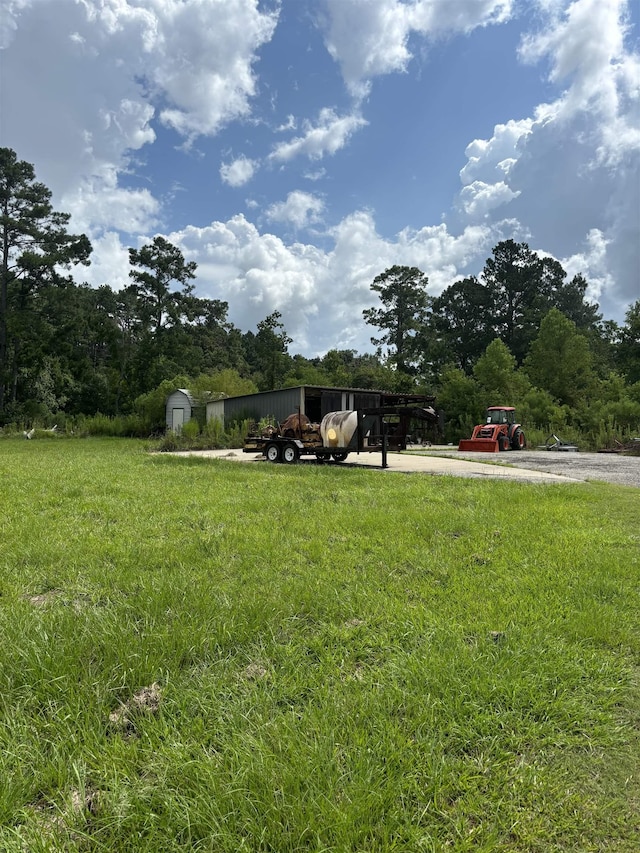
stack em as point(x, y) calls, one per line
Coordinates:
point(518, 441)
point(272, 452)
point(290, 453)
point(339, 457)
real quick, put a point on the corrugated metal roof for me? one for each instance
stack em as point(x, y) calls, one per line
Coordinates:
point(342, 389)
point(187, 394)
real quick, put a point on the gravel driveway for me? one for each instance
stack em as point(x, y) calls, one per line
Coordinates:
point(608, 467)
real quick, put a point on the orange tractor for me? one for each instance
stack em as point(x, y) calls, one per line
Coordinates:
point(499, 432)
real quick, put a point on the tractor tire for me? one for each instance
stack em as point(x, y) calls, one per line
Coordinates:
point(518, 441)
point(503, 441)
point(272, 453)
point(290, 453)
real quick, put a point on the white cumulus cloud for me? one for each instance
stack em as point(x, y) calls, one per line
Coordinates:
point(369, 39)
point(584, 44)
point(238, 172)
point(570, 173)
point(300, 209)
point(113, 67)
point(329, 135)
point(592, 264)
point(320, 293)
point(478, 198)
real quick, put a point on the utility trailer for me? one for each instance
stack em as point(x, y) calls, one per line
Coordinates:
point(338, 434)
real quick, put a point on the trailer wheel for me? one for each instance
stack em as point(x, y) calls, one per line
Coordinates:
point(272, 453)
point(339, 457)
point(290, 453)
point(518, 441)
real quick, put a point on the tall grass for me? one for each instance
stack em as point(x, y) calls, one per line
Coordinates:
point(222, 657)
point(606, 435)
point(212, 435)
point(81, 426)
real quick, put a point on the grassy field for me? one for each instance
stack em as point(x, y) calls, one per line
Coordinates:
point(210, 656)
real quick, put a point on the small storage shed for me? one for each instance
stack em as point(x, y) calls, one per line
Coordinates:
point(180, 407)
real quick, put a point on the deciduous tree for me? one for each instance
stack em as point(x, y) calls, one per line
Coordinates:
point(497, 376)
point(560, 361)
point(628, 348)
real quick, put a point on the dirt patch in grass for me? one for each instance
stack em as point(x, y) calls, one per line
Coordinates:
point(254, 672)
point(146, 700)
point(42, 599)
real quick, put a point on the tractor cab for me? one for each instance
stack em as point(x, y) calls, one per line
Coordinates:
point(501, 415)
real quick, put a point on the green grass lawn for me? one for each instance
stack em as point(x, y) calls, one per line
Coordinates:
point(210, 656)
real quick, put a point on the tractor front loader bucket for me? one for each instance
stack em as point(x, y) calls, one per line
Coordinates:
point(479, 445)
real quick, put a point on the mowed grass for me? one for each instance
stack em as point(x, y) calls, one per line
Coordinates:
point(213, 656)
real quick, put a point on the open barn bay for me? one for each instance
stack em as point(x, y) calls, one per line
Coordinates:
point(208, 656)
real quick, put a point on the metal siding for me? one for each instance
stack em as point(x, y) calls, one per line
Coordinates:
point(241, 407)
point(177, 400)
point(280, 404)
point(216, 410)
point(277, 404)
point(287, 401)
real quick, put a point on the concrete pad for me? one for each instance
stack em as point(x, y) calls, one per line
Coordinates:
point(464, 468)
point(405, 463)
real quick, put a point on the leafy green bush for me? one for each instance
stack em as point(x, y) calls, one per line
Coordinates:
point(214, 432)
point(170, 443)
point(212, 437)
point(191, 430)
point(237, 432)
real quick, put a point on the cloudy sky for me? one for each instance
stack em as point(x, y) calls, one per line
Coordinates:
point(295, 149)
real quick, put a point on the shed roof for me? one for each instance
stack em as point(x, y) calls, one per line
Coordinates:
point(389, 396)
point(187, 394)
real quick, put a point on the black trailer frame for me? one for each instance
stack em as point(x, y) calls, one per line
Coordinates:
point(289, 449)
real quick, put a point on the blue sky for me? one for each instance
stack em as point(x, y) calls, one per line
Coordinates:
point(296, 149)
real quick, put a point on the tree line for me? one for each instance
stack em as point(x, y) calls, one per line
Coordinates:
point(521, 333)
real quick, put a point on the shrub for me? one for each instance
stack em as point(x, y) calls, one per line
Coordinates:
point(214, 433)
point(120, 426)
point(169, 443)
point(237, 432)
point(191, 430)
